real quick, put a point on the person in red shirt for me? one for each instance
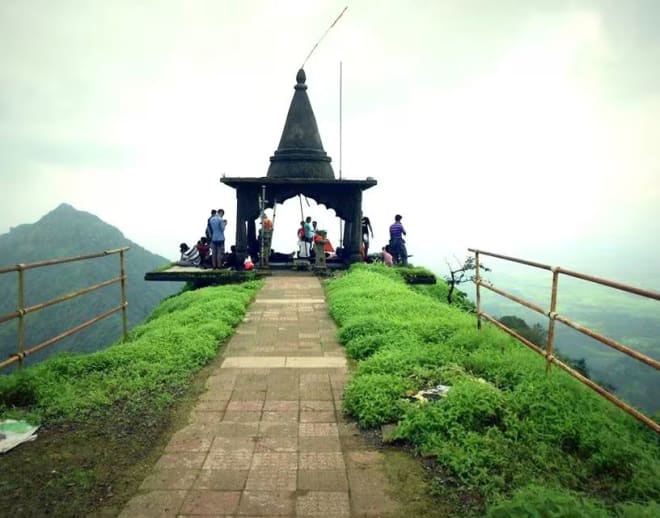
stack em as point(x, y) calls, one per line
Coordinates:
point(204, 252)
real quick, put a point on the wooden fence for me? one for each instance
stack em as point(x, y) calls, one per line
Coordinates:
point(553, 316)
point(22, 311)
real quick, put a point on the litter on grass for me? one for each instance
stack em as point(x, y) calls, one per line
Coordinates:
point(13, 433)
point(430, 394)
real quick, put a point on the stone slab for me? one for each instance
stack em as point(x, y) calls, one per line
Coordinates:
point(315, 362)
point(243, 362)
point(290, 362)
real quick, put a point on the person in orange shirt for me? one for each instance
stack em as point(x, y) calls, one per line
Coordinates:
point(321, 236)
point(267, 223)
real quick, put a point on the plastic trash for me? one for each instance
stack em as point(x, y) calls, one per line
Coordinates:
point(13, 433)
point(430, 394)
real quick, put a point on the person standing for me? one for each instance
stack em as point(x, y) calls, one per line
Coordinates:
point(303, 247)
point(265, 238)
point(217, 225)
point(209, 232)
point(366, 231)
point(397, 243)
point(309, 230)
point(267, 223)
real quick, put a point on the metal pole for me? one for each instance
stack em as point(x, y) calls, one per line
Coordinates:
point(341, 230)
point(262, 204)
point(21, 314)
point(124, 303)
point(551, 325)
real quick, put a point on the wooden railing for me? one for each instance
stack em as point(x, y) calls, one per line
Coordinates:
point(22, 311)
point(553, 317)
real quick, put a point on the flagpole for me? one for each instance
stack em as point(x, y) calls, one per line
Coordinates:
point(341, 233)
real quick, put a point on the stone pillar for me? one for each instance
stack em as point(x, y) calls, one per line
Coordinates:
point(253, 246)
point(346, 240)
point(242, 210)
point(355, 238)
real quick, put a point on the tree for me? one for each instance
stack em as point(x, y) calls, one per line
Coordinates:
point(460, 274)
point(538, 335)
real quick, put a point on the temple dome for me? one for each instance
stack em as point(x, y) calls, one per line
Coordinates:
point(300, 154)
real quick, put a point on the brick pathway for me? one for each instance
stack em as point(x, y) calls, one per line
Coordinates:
point(268, 437)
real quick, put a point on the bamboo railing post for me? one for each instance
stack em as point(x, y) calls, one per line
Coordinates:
point(478, 283)
point(124, 302)
point(21, 314)
point(22, 310)
point(554, 316)
point(551, 324)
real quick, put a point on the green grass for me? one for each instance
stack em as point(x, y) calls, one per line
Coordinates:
point(506, 431)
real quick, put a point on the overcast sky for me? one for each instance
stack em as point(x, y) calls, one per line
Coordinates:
point(526, 128)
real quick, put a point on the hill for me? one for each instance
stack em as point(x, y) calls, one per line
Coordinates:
point(66, 232)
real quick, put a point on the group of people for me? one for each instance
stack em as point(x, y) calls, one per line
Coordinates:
point(395, 251)
point(209, 252)
point(308, 235)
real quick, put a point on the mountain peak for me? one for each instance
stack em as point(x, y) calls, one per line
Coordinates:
point(64, 207)
point(65, 213)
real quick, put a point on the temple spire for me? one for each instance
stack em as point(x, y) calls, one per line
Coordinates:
point(300, 153)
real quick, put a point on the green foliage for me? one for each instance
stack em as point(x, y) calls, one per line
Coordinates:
point(182, 335)
point(440, 292)
point(416, 275)
point(536, 334)
point(545, 502)
point(383, 403)
point(635, 510)
point(506, 427)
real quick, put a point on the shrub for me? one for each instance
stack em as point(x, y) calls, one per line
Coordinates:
point(374, 399)
point(635, 510)
point(544, 502)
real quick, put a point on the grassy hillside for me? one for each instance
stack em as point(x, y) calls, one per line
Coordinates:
point(102, 414)
point(66, 232)
point(507, 439)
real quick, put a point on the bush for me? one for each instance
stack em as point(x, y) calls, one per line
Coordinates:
point(374, 399)
point(537, 501)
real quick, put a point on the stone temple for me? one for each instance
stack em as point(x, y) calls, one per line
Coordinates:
point(300, 165)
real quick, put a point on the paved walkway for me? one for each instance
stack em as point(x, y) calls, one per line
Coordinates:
point(268, 437)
